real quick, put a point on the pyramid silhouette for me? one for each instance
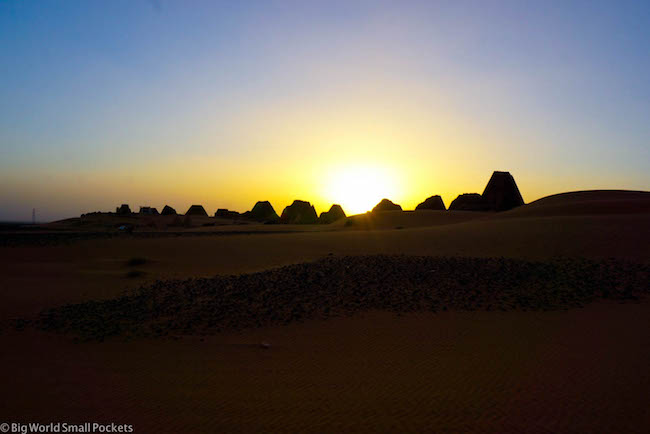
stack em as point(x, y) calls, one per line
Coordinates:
point(501, 192)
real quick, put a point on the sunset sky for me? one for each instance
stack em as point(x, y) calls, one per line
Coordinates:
point(226, 103)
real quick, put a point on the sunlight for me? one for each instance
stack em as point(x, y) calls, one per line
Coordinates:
point(359, 188)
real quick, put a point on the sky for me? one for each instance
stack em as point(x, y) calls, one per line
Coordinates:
point(227, 103)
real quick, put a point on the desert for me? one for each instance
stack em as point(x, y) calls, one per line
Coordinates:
point(497, 322)
point(341, 216)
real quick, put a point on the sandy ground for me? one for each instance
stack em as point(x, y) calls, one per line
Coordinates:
point(35, 278)
point(583, 370)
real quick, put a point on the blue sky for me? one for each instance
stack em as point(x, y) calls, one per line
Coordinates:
point(225, 103)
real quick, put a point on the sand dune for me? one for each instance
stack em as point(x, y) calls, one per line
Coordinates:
point(594, 202)
point(408, 219)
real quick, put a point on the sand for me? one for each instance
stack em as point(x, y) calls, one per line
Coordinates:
point(345, 286)
point(584, 370)
point(579, 370)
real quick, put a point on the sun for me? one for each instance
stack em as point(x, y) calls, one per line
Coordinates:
point(359, 188)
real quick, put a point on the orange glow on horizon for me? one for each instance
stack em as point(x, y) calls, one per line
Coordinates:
point(359, 188)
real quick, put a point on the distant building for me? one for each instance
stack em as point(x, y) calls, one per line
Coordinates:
point(502, 193)
point(168, 210)
point(335, 213)
point(124, 209)
point(226, 213)
point(299, 212)
point(197, 210)
point(146, 210)
point(386, 205)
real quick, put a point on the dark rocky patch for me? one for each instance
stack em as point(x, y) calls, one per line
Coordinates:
point(337, 286)
point(386, 205)
point(299, 212)
point(335, 213)
point(433, 203)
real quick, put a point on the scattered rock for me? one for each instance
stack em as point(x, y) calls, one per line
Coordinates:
point(469, 202)
point(433, 203)
point(502, 193)
point(342, 286)
point(335, 213)
point(299, 212)
point(386, 205)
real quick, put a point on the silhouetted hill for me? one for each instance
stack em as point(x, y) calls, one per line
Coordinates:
point(592, 202)
point(410, 219)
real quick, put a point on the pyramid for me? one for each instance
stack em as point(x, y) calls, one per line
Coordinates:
point(469, 202)
point(226, 213)
point(299, 212)
point(168, 210)
point(124, 209)
point(335, 213)
point(197, 210)
point(501, 192)
point(386, 205)
point(262, 212)
point(433, 203)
